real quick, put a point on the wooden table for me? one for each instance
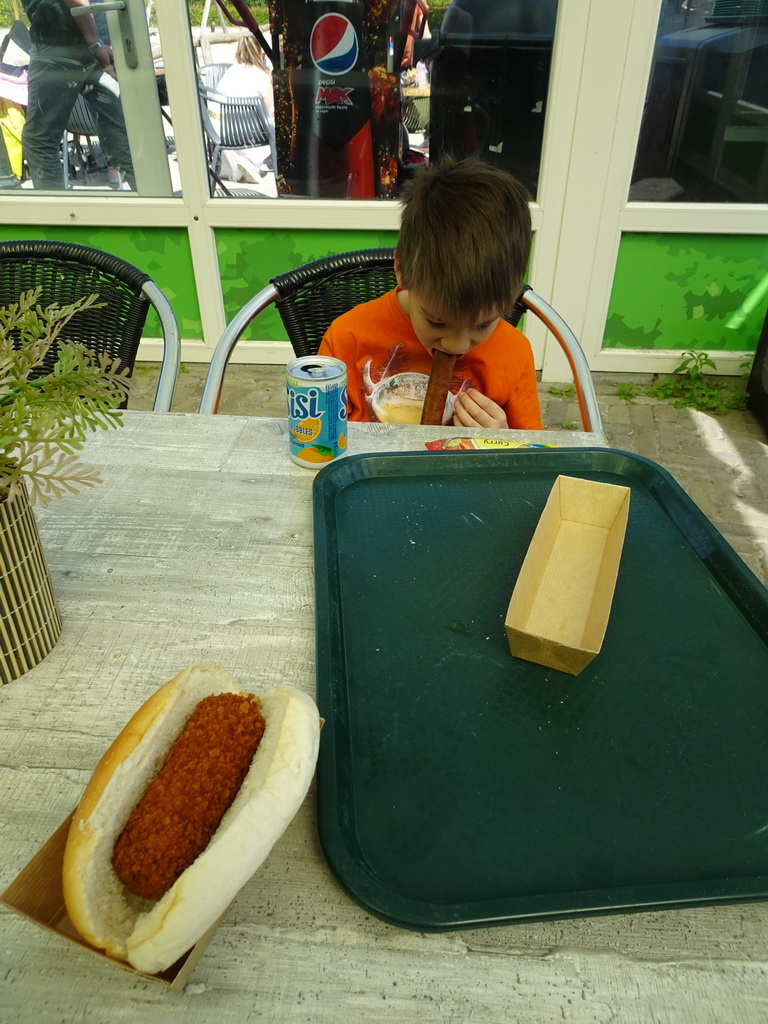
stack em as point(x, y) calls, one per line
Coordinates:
point(198, 547)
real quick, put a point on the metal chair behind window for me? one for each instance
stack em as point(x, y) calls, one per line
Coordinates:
point(211, 74)
point(312, 296)
point(232, 122)
point(66, 272)
point(81, 124)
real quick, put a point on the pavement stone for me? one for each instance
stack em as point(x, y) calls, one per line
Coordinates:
point(639, 415)
point(721, 461)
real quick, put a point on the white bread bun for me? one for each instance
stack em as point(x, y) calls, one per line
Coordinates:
point(153, 935)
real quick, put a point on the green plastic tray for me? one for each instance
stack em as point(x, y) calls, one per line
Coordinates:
point(458, 786)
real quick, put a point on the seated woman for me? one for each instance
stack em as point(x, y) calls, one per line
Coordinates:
point(248, 76)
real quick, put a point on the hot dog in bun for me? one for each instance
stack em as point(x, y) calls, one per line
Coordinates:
point(182, 809)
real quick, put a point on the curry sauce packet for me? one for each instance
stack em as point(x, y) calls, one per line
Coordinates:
point(477, 443)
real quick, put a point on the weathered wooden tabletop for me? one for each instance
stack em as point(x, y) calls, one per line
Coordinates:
point(198, 547)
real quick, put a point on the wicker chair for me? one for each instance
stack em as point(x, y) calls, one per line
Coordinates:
point(312, 296)
point(66, 272)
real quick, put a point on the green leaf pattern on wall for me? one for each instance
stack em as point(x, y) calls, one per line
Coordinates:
point(685, 292)
point(163, 253)
point(248, 259)
point(670, 291)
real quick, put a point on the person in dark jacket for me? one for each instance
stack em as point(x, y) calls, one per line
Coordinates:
point(69, 58)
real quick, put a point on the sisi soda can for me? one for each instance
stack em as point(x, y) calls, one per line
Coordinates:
point(317, 409)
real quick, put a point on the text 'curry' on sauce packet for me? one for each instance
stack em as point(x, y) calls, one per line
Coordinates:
point(476, 443)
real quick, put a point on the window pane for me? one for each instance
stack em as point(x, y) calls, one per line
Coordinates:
point(366, 91)
point(333, 106)
point(69, 121)
point(237, 109)
point(704, 135)
point(489, 81)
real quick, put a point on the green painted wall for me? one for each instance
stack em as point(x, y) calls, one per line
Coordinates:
point(248, 259)
point(670, 291)
point(674, 291)
point(163, 253)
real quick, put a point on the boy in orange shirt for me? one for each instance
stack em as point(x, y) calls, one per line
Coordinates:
point(465, 236)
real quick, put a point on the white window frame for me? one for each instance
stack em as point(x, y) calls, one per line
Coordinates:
point(601, 63)
point(617, 55)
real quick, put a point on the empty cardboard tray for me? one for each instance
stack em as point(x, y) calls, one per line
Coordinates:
point(458, 786)
point(561, 602)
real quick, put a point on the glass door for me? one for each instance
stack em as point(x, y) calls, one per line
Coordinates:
point(81, 100)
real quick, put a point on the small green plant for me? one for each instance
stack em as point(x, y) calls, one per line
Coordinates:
point(691, 388)
point(569, 425)
point(628, 391)
point(567, 391)
point(44, 420)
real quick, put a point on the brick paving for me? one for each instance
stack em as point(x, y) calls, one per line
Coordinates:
point(721, 461)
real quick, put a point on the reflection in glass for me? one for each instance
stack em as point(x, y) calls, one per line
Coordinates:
point(337, 97)
point(337, 126)
point(14, 61)
point(71, 86)
point(237, 107)
point(366, 91)
point(60, 107)
point(490, 75)
point(704, 135)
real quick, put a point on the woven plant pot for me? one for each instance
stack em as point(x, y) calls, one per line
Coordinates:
point(29, 618)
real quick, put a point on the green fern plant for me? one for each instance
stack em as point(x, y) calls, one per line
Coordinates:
point(44, 421)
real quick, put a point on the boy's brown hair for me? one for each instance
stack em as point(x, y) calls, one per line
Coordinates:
point(465, 236)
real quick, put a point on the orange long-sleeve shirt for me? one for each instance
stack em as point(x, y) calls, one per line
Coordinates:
point(388, 367)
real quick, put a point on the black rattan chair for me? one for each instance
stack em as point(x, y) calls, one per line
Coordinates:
point(66, 272)
point(312, 296)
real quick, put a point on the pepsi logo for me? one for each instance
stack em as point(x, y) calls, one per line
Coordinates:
point(333, 45)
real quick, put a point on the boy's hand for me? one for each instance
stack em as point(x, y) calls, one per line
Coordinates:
point(472, 409)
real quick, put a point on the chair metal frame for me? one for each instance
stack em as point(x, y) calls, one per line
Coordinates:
point(211, 74)
point(243, 123)
point(67, 271)
point(362, 275)
point(80, 124)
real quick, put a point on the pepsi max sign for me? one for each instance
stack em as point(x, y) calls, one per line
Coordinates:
point(333, 45)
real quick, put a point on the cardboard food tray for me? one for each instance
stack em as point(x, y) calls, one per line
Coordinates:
point(561, 603)
point(37, 894)
point(459, 786)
